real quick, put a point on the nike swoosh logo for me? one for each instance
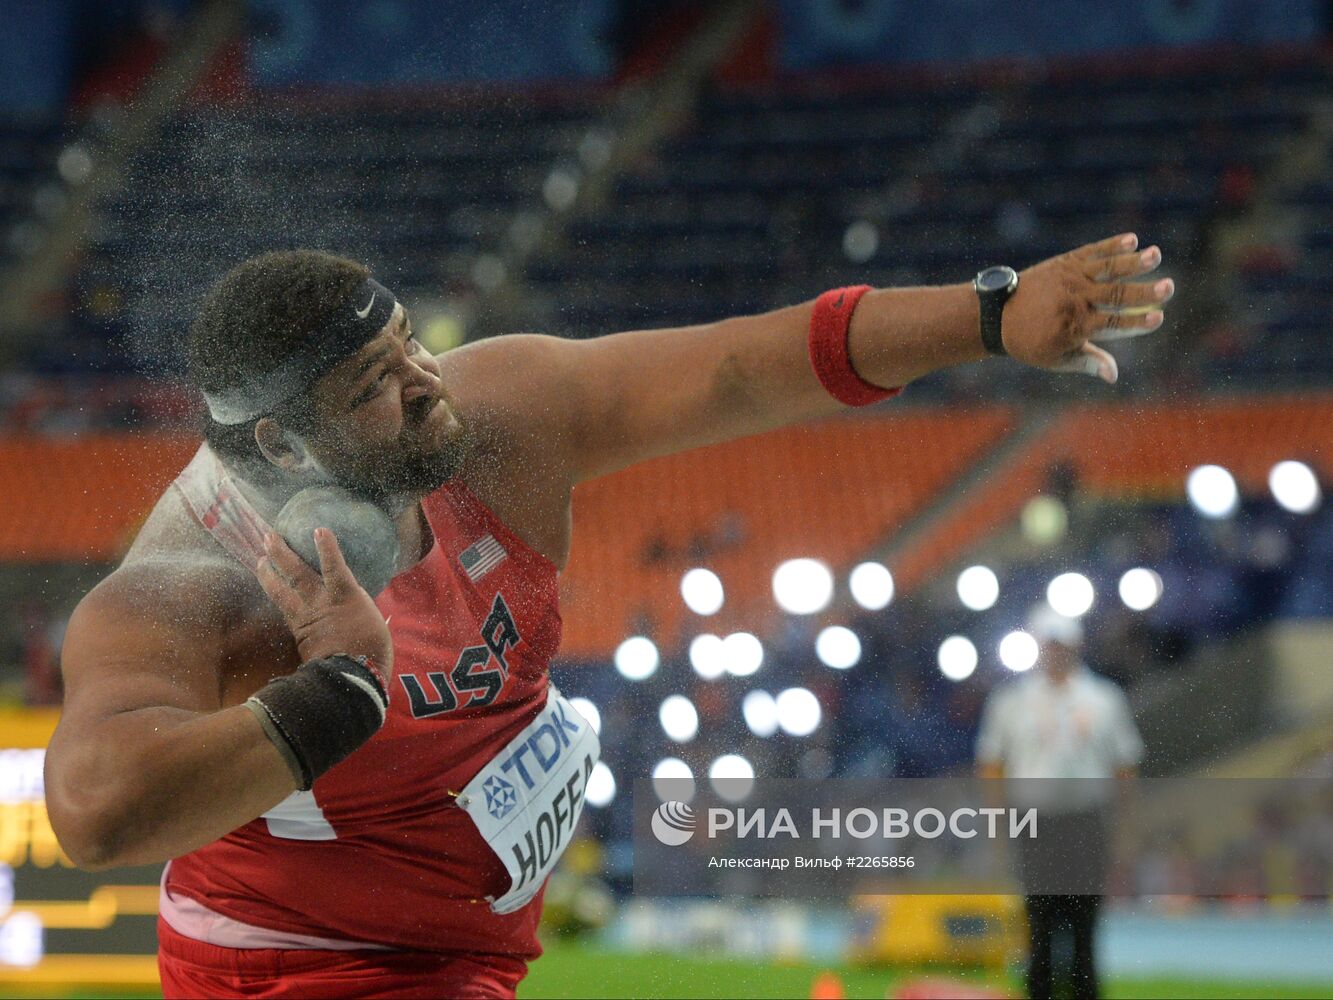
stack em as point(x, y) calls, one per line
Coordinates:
point(363, 313)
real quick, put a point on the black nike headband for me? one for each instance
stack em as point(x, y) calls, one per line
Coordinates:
point(355, 323)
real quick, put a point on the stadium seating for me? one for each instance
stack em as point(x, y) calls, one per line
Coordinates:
point(28, 145)
point(771, 196)
point(448, 178)
point(1134, 450)
point(831, 491)
point(1276, 329)
point(83, 498)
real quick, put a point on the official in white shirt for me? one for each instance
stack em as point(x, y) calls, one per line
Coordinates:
point(1063, 722)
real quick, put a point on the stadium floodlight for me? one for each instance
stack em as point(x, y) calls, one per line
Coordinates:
point(702, 591)
point(1071, 594)
point(1295, 487)
point(1044, 520)
point(1212, 491)
point(838, 647)
point(1018, 651)
point(488, 271)
point(799, 713)
point(708, 656)
point(637, 658)
point(742, 653)
point(860, 241)
point(957, 658)
point(590, 712)
point(1140, 588)
point(673, 779)
point(679, 718)
point(871, 585)
point(803, 586)
point(601, 787)
point(978, 588)
point(561, 188)
point(732, 777)
point(761, 713)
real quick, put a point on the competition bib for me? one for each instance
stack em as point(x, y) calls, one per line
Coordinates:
point(527, 800)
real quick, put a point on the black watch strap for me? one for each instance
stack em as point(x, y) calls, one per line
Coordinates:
point(994, 286)
point(992, 313)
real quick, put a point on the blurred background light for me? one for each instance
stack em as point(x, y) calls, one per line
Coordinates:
point(957, 658)
point(1295, 487)
point(1071, 594)
point(760, 711)
point(673, 779)
point(1140, 588)
point(732, 777)
point(799, 713)
point(838, 647)
point(679, 718)
point(871, 585)
point(1212, 491)
point(802, 586)
point(860, 241)
point(742, 654)
point(1044, 520)
point(708, 656)
point(1018, 651)
point(601, 787)
point(978, 588)
point(702, 591)
point(637, 658)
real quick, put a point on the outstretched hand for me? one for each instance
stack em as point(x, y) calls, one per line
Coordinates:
point(1069, 305)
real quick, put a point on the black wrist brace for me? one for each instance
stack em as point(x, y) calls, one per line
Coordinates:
point(320, 714)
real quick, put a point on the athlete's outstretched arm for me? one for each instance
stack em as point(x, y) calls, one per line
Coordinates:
point(602, 404)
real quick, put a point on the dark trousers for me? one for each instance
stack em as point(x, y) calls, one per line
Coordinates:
point(1068, 857)
point(1053, 920)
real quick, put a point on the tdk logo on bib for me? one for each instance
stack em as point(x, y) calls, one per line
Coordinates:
point(500, 797)
point(542, 748)
point(526, 801)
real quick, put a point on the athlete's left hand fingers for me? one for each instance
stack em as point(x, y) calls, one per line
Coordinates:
point(1127, 296)
point(1090, 359)
point(1124, 243)
point(1130, 264)
point(1123, 325)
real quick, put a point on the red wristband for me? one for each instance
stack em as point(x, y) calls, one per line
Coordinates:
point(828, 349)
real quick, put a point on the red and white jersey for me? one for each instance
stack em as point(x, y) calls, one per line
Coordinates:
point(379, 852)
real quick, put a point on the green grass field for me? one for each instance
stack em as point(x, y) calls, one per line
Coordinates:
point(574, 970)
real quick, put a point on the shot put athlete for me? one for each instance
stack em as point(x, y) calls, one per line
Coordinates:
point(363, 793)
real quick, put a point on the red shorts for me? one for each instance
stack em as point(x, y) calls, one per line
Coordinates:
point(192, 968)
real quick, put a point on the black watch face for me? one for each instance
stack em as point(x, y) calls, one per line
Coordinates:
point(994, 279)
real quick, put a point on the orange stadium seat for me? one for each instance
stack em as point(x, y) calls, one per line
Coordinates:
point(830, 491)
point(1136, 449)
point(82, 499)
point(833, 491)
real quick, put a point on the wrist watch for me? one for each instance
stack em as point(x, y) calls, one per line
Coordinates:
point(993, 286)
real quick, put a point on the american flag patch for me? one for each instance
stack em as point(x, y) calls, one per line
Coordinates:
point(481, 557)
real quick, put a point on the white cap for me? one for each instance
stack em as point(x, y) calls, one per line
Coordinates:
point(1045, 624)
